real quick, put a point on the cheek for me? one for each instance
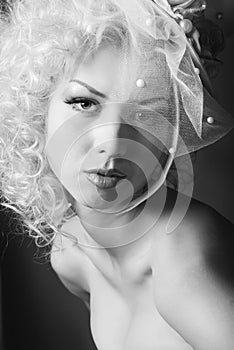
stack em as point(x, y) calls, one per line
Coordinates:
point(71, 174)
point(149, 161)
point(55, 117)
point(66, 147)
point(62, 116)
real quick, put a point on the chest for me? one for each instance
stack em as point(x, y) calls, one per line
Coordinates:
point(123, 316)
point(123, 312)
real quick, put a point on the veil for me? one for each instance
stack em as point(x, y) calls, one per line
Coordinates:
point(181, 115)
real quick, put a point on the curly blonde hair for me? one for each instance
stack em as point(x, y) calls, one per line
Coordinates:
point(39, 40)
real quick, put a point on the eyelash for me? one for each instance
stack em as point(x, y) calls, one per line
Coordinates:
point(75, 101)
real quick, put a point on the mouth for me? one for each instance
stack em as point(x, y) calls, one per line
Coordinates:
point(104, 178)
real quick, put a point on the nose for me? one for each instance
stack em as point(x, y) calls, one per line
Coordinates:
point(108, 140)
point(108, 136)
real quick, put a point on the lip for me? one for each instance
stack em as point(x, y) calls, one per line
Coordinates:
point(104, 178)
point(107, 172)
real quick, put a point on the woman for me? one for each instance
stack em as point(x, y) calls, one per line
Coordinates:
point(97, 101)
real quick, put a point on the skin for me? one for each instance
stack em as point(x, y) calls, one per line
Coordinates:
point(161, 291)
point(103, 143)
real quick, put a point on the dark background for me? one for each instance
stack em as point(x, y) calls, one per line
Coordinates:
point(38, 312)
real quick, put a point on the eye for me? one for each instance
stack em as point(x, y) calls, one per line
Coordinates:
point(82, 104)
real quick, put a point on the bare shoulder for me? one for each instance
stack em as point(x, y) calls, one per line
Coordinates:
point(202, 234)
point(193, 278)
point(69, 262)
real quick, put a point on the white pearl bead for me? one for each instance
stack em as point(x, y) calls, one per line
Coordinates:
point(140, 83)
point(197, 70)
point(139, 115)
point(172, 150)
point(210, 120)
point(142, 117)
point(186, 25)
point(89, 29)
point(149, 22)
point(203, 6)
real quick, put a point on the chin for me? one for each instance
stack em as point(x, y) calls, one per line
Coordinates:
point(91, 196)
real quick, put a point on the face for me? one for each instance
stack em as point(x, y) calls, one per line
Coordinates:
point(100, 159)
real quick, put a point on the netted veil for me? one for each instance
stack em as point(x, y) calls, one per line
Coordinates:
point(165, 98)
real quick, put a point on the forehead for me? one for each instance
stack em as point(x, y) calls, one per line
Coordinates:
point(115, 73)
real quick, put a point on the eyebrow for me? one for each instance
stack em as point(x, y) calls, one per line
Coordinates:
point(100, 94)
point(152, 100)
point(149, 101)
point(90, 88)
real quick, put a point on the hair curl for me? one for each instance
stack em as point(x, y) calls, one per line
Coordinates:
point(39, 40)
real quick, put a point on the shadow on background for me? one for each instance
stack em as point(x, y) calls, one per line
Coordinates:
point(214, 167)
point(38, 312)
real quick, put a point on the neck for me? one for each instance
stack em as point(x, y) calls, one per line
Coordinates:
point(112, 232)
